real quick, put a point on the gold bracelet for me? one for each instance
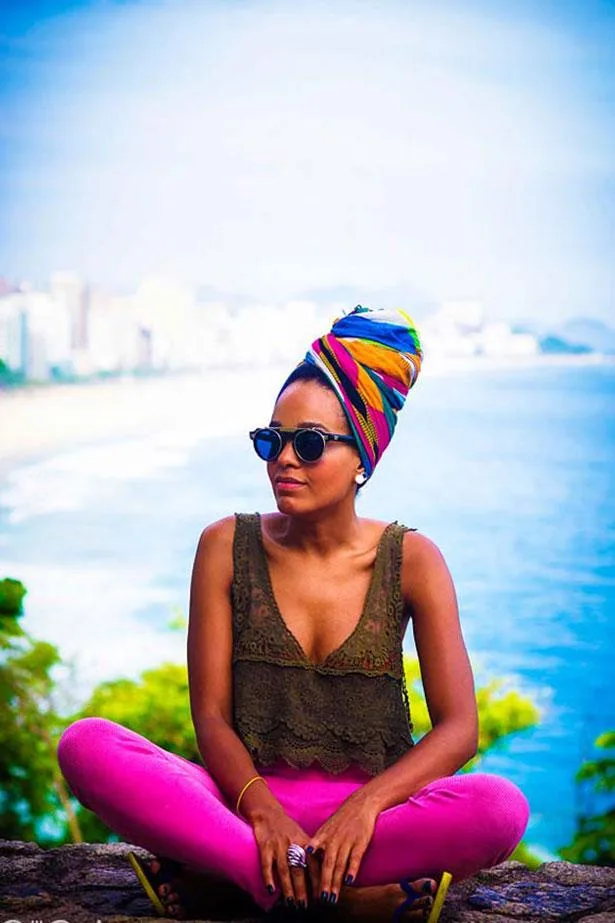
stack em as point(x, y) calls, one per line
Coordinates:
point(245, 788)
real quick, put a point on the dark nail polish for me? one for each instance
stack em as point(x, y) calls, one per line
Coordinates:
point(270, 888)
point(310, 850)
point(290, 901)
point(427, 887)
point(302, 904)
point(348, 880)
point(324, 896)
point(332, 897)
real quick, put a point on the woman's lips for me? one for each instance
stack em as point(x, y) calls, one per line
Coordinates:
point(288, 484)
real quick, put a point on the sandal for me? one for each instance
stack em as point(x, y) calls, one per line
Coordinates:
point(151, 882)
point(413, 896)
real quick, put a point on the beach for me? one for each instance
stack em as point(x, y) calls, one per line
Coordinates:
point(40, 420)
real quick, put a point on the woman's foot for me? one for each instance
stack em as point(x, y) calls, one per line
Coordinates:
point(187, 893)
point(174, 894)
point(380, 902)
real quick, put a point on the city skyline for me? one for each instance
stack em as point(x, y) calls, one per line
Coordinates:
point(69, 331)
point(454, 153)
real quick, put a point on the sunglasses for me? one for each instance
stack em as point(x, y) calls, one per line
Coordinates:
point(309, 444)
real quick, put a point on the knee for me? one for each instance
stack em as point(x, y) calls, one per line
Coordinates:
point(79, 740)
point(502, 806)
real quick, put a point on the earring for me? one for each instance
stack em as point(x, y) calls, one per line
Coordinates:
point(360, 478)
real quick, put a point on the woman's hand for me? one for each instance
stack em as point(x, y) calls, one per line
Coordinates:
point(342, 841)
point(274, 831)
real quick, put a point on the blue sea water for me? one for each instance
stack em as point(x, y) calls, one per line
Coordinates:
point(510, 472)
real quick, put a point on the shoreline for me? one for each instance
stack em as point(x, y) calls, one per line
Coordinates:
point(38, 420)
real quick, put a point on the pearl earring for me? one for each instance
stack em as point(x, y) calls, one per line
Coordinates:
point(360, 478)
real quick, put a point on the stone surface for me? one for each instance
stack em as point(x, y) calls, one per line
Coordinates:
point(87, 883)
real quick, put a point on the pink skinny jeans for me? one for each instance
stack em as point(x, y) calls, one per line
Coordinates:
point(172, 807)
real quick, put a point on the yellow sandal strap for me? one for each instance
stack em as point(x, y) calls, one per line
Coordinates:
point(146, 885)
point(440, 897)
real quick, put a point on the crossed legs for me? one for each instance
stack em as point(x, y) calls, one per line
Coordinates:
point(173, 808)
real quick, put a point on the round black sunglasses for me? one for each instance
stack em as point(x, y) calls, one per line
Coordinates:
point(309, 444)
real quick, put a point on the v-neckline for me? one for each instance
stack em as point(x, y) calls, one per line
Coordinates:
point(315, 664)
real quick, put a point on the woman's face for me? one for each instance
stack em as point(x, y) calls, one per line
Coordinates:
point(301, 487)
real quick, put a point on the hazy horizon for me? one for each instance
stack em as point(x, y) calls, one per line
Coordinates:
point(463, 152)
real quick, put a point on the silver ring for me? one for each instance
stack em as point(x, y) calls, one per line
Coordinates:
point(296, 856)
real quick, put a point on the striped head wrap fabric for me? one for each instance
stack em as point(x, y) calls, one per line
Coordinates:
point(371, 357)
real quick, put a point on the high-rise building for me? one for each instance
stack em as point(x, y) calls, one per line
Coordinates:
point(68, 290)
point(14, 332)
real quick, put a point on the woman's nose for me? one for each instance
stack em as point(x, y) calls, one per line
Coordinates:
point(288, 454)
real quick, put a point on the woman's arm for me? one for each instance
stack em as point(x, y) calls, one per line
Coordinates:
point(430, 596)
point(449, 689)
point(210, 648)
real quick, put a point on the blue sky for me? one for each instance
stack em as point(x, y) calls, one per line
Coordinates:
point(459, 150)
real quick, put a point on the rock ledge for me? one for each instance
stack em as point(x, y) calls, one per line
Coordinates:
point(93, 883)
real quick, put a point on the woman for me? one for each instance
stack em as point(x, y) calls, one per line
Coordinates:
point(314, 792)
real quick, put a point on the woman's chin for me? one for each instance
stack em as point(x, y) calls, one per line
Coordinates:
point(288, 504)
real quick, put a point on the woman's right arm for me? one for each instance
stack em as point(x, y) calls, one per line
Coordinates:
point(210, 647)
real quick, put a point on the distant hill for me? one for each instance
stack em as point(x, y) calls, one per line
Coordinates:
point(595, 334)
point(552, 344)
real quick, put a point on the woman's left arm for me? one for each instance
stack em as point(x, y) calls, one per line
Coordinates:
point(430, 599)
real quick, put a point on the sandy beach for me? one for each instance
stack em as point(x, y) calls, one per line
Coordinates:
point(38, 420)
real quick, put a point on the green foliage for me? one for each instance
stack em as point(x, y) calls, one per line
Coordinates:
point(523, 854)
point(156, 706)
point(594, 840)
point(501, 712)
point(29, 723)
point(12, 593)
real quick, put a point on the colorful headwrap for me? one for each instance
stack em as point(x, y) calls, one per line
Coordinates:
point(371, 357)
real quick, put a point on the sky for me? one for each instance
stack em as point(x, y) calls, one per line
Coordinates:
point(435, 150)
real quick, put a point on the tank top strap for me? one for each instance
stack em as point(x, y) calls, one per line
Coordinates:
point(387, 576)
point(245, 549)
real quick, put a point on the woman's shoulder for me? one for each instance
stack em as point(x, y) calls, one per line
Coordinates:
point(418, 547)
point(423, 563)
point(217, 536)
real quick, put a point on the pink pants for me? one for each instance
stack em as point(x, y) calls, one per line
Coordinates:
point(173, 808)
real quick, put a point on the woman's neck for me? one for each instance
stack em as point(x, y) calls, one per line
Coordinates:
point(327, 531)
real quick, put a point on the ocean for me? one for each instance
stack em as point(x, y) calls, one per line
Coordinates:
point(510, 472)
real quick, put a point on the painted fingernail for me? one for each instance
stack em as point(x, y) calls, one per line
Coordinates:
point(427, 887)
point(270, 888)
point(302, 904)
point(348, 880)
point(290, 901)
point(310, 850)
point(324, 896)
point(332, 897)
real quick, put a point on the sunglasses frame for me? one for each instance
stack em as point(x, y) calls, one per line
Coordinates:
point(286, 434)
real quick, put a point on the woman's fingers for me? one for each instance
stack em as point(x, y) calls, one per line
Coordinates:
point(327, 871)
point(292, 880)
point(339, 872)
point(354, 863)
point(266, 855)
point(298, 878)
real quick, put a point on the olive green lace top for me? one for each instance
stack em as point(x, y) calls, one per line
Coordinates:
point(352, 708)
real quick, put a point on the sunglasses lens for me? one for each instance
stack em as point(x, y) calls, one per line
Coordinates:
point(267, 444)
point(309, 445)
